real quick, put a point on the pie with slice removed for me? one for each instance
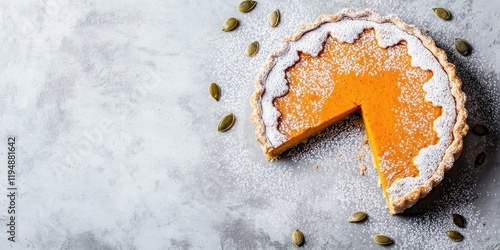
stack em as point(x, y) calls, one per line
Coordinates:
point(407, 92)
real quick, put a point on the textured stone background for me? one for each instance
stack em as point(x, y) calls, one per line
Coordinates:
point(117, 147)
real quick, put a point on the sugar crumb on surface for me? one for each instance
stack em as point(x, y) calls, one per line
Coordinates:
point(362, 169)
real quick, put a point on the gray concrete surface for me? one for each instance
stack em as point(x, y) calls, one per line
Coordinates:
point(117, 147)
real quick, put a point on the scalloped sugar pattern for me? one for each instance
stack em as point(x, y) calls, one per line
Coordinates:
point(389, 31)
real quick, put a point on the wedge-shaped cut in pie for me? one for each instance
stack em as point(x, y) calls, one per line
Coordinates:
point(408, 94)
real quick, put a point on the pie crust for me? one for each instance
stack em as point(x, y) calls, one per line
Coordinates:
point(459, 126)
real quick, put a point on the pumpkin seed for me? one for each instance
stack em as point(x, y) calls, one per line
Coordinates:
point(459, 220)
point(442, 13)
point(274, 18)
point(246, 6)
point(252, 49)
point(357, 216)
point(297, 238)
point(226, 122)
point(480, 159)
point(462, 46)
point(214, 91)
point(382, 239)
point(480, 130)
point(454, 235)
point(230, 24)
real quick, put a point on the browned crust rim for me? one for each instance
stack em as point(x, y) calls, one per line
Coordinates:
point(459, 130)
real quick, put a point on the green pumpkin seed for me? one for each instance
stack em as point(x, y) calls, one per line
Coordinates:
point(480, 130)
point(274, 18)
point(297, 238)
point(442, 13)
point(226, 122)
point(382, 239)
point(462, 46)
point(230, 24)
point(357, 216)
point(246, 6)
point(480, 159)
point(454, 235)
point(214, 91)
point(459, 220)
point(252, 49)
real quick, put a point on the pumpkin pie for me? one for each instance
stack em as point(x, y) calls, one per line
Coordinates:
point(407, 92)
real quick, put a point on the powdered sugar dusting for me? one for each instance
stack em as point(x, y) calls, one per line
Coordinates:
point(387, 34)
